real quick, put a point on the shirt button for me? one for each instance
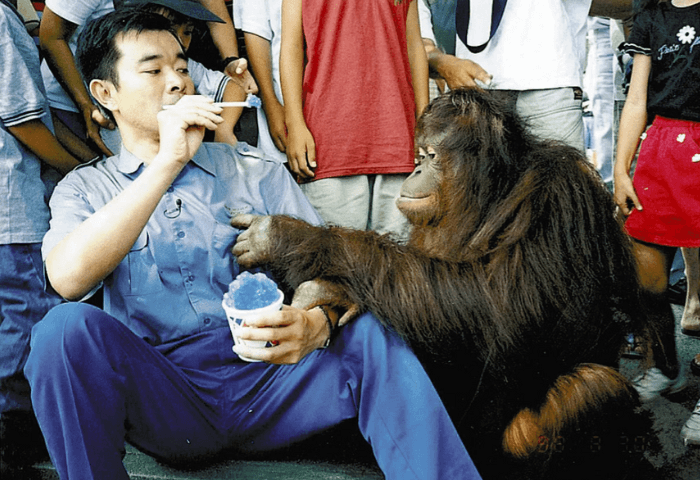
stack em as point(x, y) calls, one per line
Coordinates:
point(180, 234)
point(207, 321)
point(190, 278)
point(170, 189)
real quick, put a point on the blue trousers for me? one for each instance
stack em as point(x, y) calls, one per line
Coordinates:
point(95, 384)
point(23, 303)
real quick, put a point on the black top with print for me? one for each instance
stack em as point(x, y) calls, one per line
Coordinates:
point(671, 36)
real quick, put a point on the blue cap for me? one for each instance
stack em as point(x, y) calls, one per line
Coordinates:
point(188, 8)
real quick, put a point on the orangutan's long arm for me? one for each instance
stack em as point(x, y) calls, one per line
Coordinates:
point(424, 299)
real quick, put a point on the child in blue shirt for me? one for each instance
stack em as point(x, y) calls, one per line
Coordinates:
point(26, 140)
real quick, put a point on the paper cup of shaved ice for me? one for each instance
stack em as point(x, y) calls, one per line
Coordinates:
point(250, 296)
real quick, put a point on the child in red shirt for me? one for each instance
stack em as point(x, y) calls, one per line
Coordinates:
point(351, 117)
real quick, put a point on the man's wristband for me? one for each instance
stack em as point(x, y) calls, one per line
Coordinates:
point(331, 327)
point(227, 60)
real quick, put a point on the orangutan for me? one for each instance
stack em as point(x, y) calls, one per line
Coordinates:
point(516, 289)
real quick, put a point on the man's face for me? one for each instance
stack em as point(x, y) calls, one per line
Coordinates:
point(151, 72)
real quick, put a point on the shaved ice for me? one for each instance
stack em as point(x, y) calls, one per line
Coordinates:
point(251, 291)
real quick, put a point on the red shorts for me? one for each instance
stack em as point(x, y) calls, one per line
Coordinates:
point(667, 182)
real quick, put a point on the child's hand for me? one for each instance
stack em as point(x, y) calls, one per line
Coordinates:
point(274, 111)
point(238, 71)
point(459, 72)
point(625, 195)
point(301, 151)
point(94, 120)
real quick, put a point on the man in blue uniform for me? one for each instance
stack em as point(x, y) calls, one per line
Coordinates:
point(157, 367)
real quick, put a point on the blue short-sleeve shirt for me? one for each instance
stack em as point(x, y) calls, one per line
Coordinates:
point(171, 283)
point(24, 215)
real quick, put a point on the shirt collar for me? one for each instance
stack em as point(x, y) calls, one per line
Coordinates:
point(128, 163)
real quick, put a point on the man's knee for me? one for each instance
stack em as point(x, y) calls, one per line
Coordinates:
point(63, 329)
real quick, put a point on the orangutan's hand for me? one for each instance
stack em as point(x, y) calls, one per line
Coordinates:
point(322, 292)
point(253, 246)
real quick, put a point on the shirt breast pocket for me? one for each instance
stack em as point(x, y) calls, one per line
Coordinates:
point(224, 236)
point(222, 264)
point(144, 278)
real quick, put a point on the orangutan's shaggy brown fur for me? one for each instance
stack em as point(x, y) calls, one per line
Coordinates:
point(516, 289)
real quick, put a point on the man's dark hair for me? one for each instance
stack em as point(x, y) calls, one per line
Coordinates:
point(97, 53)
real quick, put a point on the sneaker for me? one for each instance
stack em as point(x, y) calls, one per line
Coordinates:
point(653, 383)
point(690, 433)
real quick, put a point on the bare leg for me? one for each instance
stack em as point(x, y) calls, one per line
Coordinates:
point(690, 322)
point(654, 263)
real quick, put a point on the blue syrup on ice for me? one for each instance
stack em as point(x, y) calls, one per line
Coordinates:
point(250, 291)
point(253, 101)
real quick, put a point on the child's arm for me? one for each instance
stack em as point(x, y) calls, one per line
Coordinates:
point(224, 132)
point(632, 123)
point(34, 135)
point(54, 34)
point(71, 142)
point(417, 59)
point(261, 64)
point(619, 9)
point(224, 37)
point(301, 148)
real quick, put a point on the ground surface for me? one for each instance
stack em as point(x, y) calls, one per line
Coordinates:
point(675, 461)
